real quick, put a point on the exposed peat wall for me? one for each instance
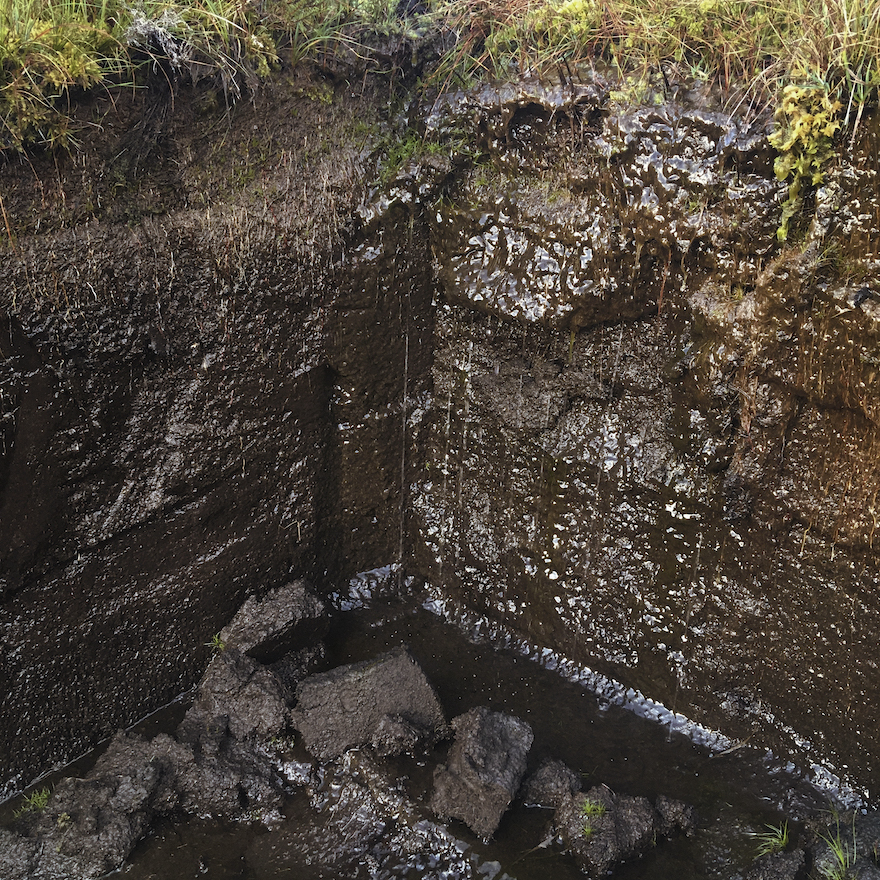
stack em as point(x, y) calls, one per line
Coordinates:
point(655, 444)
point(573, 383)
point(184, 338)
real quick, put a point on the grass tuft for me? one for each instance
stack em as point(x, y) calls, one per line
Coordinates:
point(216, 644)
point(592, 809)
point(843, 854)
point(759, 44)
point(52, 49)
point(773, 840)
point(35, 802)
point(47, 52)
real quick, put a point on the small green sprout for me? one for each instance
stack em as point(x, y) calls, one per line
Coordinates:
point(64, 823)
point(35, 802)
point(773, 840)
point(217, 644)
point(592, 808)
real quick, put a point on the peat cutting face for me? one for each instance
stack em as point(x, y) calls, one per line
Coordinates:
point(569, 379)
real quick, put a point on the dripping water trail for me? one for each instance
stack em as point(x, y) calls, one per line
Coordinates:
point(404, 419)
point(444, 509)
point(607, 413)
point(687, 619)
point(458, 519)
point(466, 413)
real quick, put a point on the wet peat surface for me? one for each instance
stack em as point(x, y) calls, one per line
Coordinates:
point(736, 793)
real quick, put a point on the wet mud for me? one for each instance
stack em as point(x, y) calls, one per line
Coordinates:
point(734, 794)
point(566, 377)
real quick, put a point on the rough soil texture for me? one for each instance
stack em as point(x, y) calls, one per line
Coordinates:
point(387, 700)
point(574, 382)
point(361, 821)
point(655, 429)
point(484, 769)
point(186, 337)
point(229, 759)
point(778, 866)
point(549, 785)
point(602, 829)
point(235, 756)
point(288, 618)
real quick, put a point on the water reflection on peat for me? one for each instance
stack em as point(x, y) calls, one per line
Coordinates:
point(734, 794)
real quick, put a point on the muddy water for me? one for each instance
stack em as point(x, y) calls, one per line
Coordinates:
point(735, 793)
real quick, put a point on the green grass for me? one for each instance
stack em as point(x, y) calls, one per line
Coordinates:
point(51, 50)
point(47, 52)
point(216, 644)
point(35, 802)
point(843, 854)
point(773, 840)
point(592, 809)
point(760, 44)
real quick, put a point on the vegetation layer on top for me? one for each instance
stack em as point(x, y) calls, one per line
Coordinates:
point(818, 60)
